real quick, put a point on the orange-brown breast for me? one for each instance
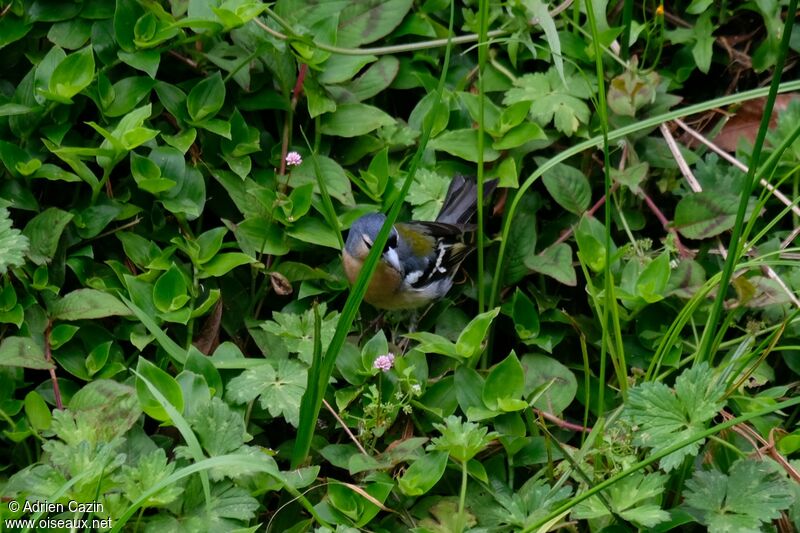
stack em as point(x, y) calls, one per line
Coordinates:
point(382, 288)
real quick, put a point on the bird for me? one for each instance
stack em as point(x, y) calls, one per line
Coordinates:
point(420, 259)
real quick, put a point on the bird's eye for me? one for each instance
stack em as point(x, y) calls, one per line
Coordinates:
point(367, 241)
point(392, 242)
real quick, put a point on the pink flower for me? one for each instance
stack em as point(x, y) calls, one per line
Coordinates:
point(293, 159)
point(384, 362)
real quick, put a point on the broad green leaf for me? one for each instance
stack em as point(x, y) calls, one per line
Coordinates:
point(464, 144)
point(469, 387)
point(352, 120)
point(37, 411)
point(73, 74)
point(569, 187)
point(206, 98)
point(432, 343)
point(555, 382)
point(556, 262)
point(164, 383)
point(82, 304)
point(705, 214)
point(470, 342)
point(111, 407)
point(522, 238)
point(506, 381)
point(365, 22)
point(22, 352)
point(525, 314)
point(44, 232)
point(519, 135)
point(170, 290)
point(652, 282)
point(423, 474)
point(591, 243)
point(221, 264)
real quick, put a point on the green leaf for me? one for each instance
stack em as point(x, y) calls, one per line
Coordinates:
point(221, 264)
point(423, 474)
point(522, 238)
point(44, 232)
point(705, 214)
point(22, 352)
point(506, 381)
point(352, 120)
point(206, 98)
point(664, 416)
point(200, 364)
point(13, 245)
point(219, 429)
point(470, 342)
point(164, 383)
point(37, 411)
point(552, 385)
point(82, 304)
point(703, 49)
point(464, 144)
point(556, 262)
point(652, 283)
point(519, 135)
point(569, 187)
point(73, 74)
point(280, 388)
point(635, 498)
point(432, 343)
point(170, 290)
point(462, 440)
point(554, 100)
point(752, 494)
point(365, 22)
point(525, 314)
point(591, 243)
point(111, 408)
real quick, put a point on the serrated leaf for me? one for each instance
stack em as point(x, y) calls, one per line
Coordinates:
point(279, 387)
point(754, 492)
point(663, 416)
point(13, 245)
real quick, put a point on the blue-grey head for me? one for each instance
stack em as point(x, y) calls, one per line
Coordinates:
point(363, 233)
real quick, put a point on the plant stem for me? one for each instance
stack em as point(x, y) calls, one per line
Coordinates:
point(462, 498)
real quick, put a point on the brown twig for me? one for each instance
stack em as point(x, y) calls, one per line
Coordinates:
point(768, 446)
point(48, 356)
point(567, 233)
point(346, 429)
point(561, 422)
point(682, 250)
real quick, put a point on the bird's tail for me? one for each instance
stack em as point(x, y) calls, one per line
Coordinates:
point(461, 200)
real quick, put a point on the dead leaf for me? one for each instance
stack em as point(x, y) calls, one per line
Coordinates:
point(280, 284)
point(746, 120)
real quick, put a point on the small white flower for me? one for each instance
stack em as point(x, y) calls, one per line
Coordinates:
point(293, 159)
point(384, 362)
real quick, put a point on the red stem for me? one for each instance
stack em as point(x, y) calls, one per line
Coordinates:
point(49, 358)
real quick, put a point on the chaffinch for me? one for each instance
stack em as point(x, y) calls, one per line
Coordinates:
point(420, 259)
